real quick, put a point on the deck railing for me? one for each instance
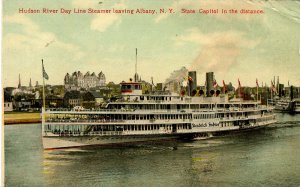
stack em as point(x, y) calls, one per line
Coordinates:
point(150, 121)
point(154, 111)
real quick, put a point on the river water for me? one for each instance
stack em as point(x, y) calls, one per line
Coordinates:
point(265, 157)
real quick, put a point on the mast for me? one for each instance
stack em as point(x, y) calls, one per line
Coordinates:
point(277, 85)
point(256, 93)
point(257, 90)
point(135, 60)
point(30, 85)
point(44, 103)
point(19, 85)
point(272, 91)
point(136, 76)
point(239, 88)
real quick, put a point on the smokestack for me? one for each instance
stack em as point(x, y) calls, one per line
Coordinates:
point(281, 90)
point(209, 83)
point(192, 78)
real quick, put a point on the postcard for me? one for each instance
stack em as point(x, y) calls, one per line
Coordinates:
point(87, 84)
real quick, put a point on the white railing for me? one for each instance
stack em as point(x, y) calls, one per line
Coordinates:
point(152, 121)
point(147, 111)
point(156, 121)
point(108, 133)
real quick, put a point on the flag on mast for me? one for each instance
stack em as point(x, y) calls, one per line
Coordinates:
point(257, 85)
point(45, 75)
point(273, 87)
point(215, 84)
point(240, 94)
point(224, 86)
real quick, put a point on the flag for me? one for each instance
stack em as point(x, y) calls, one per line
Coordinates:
point(224, 86)
point(273, 87)
point(215, 83)
point(257, 85)
point(45, 75)
point(239, 83)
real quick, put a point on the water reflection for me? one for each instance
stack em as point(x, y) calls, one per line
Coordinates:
point(182, 163)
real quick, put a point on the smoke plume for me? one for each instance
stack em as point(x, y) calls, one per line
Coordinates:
point(177, 75)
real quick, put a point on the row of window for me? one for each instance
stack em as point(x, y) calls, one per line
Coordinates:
point(183, 116)
point(56, 129)
point(222, 115)
point(171, 106)
point(204, 116)
point(74, 101)
point(122, 117)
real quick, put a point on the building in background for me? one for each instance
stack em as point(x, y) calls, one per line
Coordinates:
point(8, 105)
point(78, 81)
point(86, 99)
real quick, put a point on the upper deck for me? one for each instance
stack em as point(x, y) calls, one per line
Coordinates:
point(176, 99)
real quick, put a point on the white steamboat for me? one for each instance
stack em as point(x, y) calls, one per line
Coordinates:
point(137, 117)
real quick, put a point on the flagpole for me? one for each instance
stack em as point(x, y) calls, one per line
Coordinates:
point(267, 97)
point(271, 91)
point(224, 87)
point(256, 90)
point(44, 102)
point(43, 108)
point(272, 95)
point(239, 88)
point(256, 93)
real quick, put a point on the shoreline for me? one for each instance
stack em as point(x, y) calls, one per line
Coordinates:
point(14, 118)
point(22, 121)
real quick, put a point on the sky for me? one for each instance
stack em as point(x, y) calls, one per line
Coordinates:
point(234, 46)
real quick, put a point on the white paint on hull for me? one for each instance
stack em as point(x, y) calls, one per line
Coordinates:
point(80, 141)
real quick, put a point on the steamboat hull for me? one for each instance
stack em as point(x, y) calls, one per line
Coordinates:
point(63, 142)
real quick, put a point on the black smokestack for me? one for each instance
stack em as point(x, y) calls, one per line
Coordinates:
point(281, 90)
point(209, 83)
point(192, 79)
